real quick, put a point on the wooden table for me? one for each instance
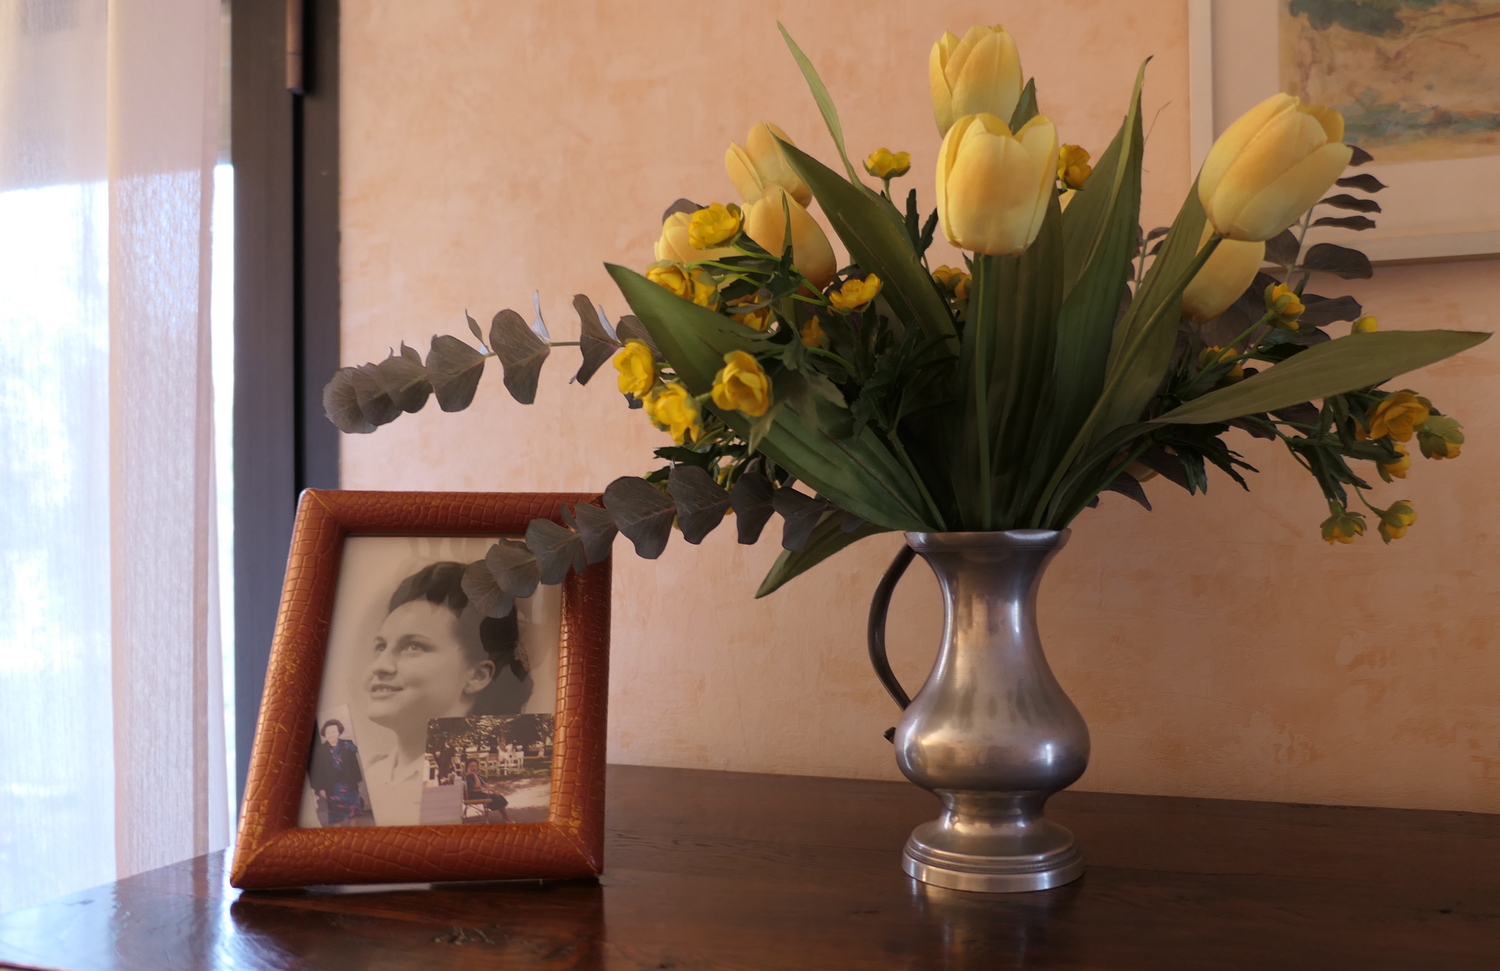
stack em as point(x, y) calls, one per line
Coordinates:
point(719, 870)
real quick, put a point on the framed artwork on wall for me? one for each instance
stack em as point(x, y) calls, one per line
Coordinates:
point(406, 734)
point(1418, 84)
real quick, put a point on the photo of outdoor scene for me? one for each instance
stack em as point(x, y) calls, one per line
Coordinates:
point(1416, 80)
point(488, 769)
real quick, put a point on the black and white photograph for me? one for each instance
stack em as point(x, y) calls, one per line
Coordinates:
point(409, 657)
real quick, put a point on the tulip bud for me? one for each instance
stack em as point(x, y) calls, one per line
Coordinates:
point(765, 222)
point(1223, 279)
point(979, 74)
point(1271, 166)
point(761, 165)
point(674, 246)
point(993, 186)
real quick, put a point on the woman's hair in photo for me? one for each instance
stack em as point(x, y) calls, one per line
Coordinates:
point(499, 637)
point(332, 721)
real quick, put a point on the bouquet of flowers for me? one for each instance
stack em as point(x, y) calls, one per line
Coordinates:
point(1072, 353)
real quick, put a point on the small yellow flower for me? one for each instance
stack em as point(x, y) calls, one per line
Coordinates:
point(1398, 468)
point(885, 164)
point(672, 277)
point(1440, 437)
point(954, 282)
point(1397, 415)
point(741, 385)
point(812, 333)
point(1342, 527)
point(714, 226)
point(1073, 166)
point(1214, 355)
point(1367, 324)
point(756, 320)
point(672, 408)
point(1285, 305)
point(637, 367)
point(1395, 520)
point(854, 294)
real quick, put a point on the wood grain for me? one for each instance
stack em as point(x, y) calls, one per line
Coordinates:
point(717, 871)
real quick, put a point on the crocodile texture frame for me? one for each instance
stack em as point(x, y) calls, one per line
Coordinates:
point(272, 851)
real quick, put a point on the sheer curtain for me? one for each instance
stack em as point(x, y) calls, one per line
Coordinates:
point(111, 734)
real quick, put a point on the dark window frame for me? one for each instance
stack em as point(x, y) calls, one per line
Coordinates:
point(285, 151)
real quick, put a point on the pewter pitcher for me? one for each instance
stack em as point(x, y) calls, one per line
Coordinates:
point(991, 732)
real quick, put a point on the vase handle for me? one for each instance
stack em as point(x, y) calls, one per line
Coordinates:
point(879, 607)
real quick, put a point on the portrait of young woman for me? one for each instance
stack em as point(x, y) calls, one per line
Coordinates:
point(405, 648)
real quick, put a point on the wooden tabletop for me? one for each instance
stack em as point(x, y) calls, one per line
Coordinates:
point(721, 870)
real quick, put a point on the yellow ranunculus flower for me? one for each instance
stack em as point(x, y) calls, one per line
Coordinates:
point(954, 282)
point(741, 385)
point(716, 224)
point(765, 222)
point(1396, 520)
point(885, 164)
point(1450, 450)
point(1073, 167)
point(674, 245)
point(993, 186)
point(1223, 279)
point(761, 165)
point(757, 320)
point(1397, 415)
point(671, 276)
point(812, 333)
point(1342, 526)
point(1215, 354)
point(1398, 468)
point(1284, 303)
point(981, 73)
point(705, 288)
point(1367, 324)
point(854, 294)
point(1271, 166)
point(637, 367)
point(672, 408)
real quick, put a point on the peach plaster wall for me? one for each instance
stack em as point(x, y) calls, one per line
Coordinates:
point(1216, 646)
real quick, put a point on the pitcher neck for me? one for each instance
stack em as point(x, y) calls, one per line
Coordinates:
point(1003, 564)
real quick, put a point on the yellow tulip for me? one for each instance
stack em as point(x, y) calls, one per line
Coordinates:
point(1271, 166)
point(1367, 324)
point(1223, 278)
point(854, 294)
point(993, 186)
point(885, 164)
point(1073, 168)
point(765, 222)
point(761, 165)
point(741, 385)
point(672, 408)
point(1397, 415)
point(979, 74)
point(637, 367)
point(713, 225)
point(675, 247)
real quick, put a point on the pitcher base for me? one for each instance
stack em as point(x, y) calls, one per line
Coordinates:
point(991, 874)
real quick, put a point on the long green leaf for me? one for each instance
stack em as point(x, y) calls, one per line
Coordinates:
point(859, 474)
point(878, 243)
point(823, 98)
point(1338, 366)
point(828, 538)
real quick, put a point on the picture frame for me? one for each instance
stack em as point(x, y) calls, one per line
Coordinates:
point(1430, 211)
point(274, 851)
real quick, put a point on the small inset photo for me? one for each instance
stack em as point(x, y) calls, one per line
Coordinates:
point(488, 769)
point(334, 775)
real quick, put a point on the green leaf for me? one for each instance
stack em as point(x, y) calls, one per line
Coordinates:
point(484, 593)
point(341, 404)
point(825, 101)
point(753, 506)
point(598, 529)
point(1026, 108)
point(642, 512)
point(800, 513)
point(828, 538)
point(514, 568)
point(454, 368)
point(877, 241)
point(521, 353)
point(1336, 367)
point(593, 340)
point(701, 502)
point(557, 549)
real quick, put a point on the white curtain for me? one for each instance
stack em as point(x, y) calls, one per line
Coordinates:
point(111, 713)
